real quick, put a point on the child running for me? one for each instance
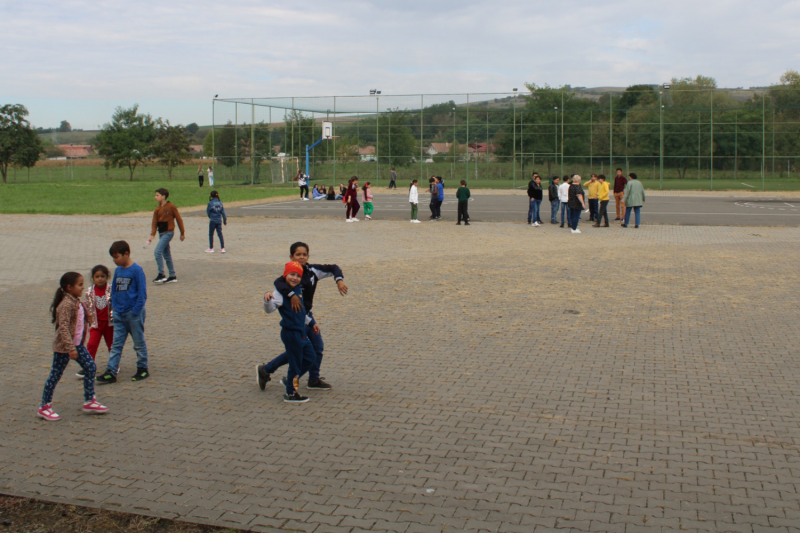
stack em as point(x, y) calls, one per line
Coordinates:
point(98, 305)
point(128, 297)
point(295, 322)
point(413, 199)
point(367, 196)
point(216, 218)
point(299, 252)
point(70, 317)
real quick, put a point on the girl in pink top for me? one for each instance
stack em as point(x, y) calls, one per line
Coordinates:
point(367, 198)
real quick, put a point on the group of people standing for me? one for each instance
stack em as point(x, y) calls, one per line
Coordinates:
point(569, 197)
point(210, 175)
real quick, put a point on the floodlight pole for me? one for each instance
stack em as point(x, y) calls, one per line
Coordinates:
point(214, 101)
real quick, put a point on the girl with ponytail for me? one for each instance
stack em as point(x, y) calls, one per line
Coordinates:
point(71, 321)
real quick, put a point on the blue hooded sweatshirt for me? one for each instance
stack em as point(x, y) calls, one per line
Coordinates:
point(216, 212)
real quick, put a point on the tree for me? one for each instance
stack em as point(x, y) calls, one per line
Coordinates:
point(396, 144)
point(346, 150)
point(126, 141)
point(171, 147)
point(226, 149)
point(192, 128)
point(19, 143)
point(51, 150)
point(211, 142)
point(262, 148)
point(65, 127)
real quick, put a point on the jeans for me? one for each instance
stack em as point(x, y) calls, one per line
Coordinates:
point(637, 209)
point(414, 211)
point(593, 208)
point(60, 361)
point(603, 212)
point(124, 324)
point(215, 226)
point(163, 252)
point(300, 356)
point(554, 211)
point(574, 218)
point(439, 208)
point(533, 210)
point(316, 344)
point(565, 209)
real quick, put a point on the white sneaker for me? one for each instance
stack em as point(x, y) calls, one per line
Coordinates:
point(222, 251)
point(355, 220)
point(305, 199)
point(536, 224)
point(210, 251)
point(416, 221)
point(576, 231)
point(368, 217)
point(349, 220)
point(571, 230)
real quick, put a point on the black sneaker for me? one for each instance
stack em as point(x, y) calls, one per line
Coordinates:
point(171, 279)
point(262, 377)
point(80, 373)
point(141, 373)
point(466, 223)
point(318, 385)
point(161, 278)
point(294, 398)
point(106, 378)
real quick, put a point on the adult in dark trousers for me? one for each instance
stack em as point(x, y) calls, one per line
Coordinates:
point(552, 195)
point(440, 197)
point(577, 203)
point(393, 179)
point(634, 199)
point(602, 196)
point(462, 194)
point(536, 200)
point(531, 187)
point(200, 175)
point(434, 190)
point(619, 192)
point(594, 205)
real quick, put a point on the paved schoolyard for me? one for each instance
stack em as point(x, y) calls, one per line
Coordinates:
point(495, 377)
point(701, 209)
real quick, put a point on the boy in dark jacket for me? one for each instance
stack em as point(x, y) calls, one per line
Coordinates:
point(552, 195)
point(463, 201)
point(301, 355)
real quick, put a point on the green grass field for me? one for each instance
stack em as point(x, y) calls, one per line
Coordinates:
point(116, 197)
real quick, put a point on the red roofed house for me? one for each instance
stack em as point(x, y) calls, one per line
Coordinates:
point(77, 151)
point(367, 154)
point(482, 150)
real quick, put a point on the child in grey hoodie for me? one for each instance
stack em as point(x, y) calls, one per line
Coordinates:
point(217, 217)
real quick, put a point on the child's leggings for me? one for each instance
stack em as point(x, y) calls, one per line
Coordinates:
point(368, 208)
point(215, 226)
point(104, 331)
point(60, 361)
point(301, 357)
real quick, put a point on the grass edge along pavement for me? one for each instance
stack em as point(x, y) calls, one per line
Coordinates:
point(117, 198)
point(23, 513)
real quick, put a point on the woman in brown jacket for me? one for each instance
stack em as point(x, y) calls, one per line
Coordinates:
point(72, 324)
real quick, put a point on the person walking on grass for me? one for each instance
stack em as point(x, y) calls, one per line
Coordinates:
point(576, 202)
point(413, 199)
point(351, 200)
point(72, 325)
point(462, 194)
point(216, 219)
point(200, 174)
point(367, 197)
point(563, 198)
point(128, 298)
point(164, 218)
point(602, 196)
point(210, 176)
point(393, 179)
point(619, 193)
point(552, 196)
point(634, 199)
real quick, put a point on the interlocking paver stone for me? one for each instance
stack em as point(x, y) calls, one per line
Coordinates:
point(467, 394)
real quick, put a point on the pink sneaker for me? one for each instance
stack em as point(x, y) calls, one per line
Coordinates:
point(46, 412)
point(210, 251)
point(94, 407)
point(222, 251)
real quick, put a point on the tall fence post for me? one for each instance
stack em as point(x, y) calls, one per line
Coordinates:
point(252, 142)
point(763, 141)
point(236, 136)
point(467, 155)
point(660, 138)
point(421, 141)
point(711, 147)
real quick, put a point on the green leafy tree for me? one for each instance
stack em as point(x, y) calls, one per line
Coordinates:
point(346, 151)
point(171, 147)
point(211, 142)
point(65, 127)
point(262, 148)
point(126, 141)
point(191, 129)
point(396, 144)
point(20, 145)
point(226, 149)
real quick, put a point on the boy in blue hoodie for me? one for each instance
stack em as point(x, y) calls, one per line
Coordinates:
point(299, 350)
point(217, 217)
point(128, 298)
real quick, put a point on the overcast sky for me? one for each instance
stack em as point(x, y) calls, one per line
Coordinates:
point(78, 60)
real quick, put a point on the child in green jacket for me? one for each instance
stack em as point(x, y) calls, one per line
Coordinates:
point(463, 200)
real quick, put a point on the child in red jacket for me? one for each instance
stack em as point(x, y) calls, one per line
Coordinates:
point(98, 304)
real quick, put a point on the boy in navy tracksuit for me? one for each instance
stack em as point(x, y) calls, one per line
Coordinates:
point(300, 353)
point(299, 252)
